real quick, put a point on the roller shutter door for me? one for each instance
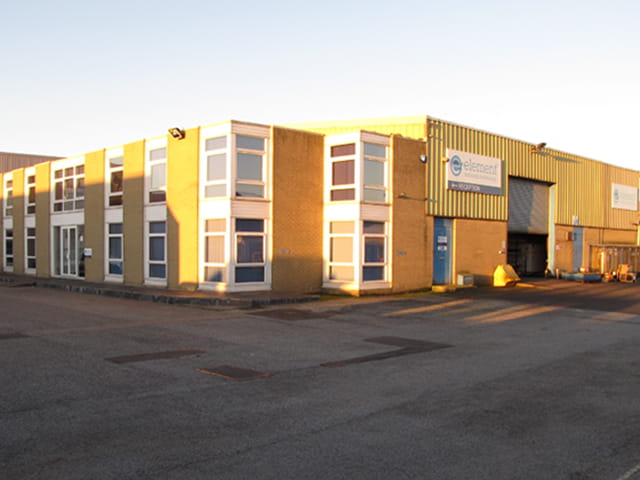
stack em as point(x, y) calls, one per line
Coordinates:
point(528, 207)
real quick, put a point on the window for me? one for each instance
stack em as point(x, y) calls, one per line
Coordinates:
point(8, 248)
point(157, 253)
point(373, 268)
point(214, 252)
point(215, 184)
point(375, 173)
point(250, 156)
point(343, 172)
point(250, 253)
point(68, 189)
point(341, 251)
point(115, 166)
point(115, 246)
point(8, 197)
point(157, 162)
point(31, 195)
point(30, 254)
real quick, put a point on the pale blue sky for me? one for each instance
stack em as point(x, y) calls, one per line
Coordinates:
point(78, 75)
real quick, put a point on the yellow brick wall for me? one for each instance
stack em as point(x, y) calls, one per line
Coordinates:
point(410, 253)
point(478, 246)
point(133, 213)
point(43, 219)
point(94, 202)
point(182, 210)
point(18, 221)
point(297, 210)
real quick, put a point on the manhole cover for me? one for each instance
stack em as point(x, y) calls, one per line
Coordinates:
point(144, 357)
point(290, 314)
point(234, 373)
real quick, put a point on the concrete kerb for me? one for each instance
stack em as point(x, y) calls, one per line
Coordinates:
point(157, 295)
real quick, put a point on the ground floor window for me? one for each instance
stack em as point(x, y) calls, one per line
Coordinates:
point(8, 248)
point(341, 236)
point(157, 250)
point(30, 253)
point(373, 268)
point(215, 269)
point(115, 249)
point(250, 250)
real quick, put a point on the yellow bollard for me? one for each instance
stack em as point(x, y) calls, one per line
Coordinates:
point(505, 276)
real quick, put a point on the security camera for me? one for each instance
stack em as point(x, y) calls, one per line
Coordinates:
point(177, 133)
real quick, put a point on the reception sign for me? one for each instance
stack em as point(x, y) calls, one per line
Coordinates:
point(468, 172)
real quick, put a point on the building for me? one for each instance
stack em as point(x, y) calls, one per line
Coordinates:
point(378, 205)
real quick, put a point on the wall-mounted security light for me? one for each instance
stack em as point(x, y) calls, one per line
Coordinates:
point(424, 158)
point(538, 148)
point(177, 133)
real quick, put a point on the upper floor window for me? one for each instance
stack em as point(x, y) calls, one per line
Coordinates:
point(68, 187)
point(234, 160)
point(115, 166)
point(215, 183)
point(343, 172)
point(250, 165)
point(157, 170)
point(31, 194)
point(375, 183)
point(8, 197)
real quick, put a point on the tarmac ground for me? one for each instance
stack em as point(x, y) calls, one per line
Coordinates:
point(541, 381)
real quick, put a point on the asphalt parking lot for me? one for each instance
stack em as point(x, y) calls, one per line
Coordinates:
point(529, 383)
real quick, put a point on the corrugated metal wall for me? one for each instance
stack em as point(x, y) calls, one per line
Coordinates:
point(12, 161)
point(583, 185)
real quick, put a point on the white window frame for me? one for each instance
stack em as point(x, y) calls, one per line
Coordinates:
point(363, 263)
point(332, 263)
point(28, 257)
point(113, 277)
point(7, 185)
point(28, 174)
point(204, 154)
point(113, 154)
point(262, 182)
point(6, 238)
point(384, 188)
point(353, 157)
point(224, 265)
point(78, 174)
point(150, 146)
point(148, 262)
point(236, 264)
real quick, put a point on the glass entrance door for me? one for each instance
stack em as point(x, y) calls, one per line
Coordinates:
point(69, 251)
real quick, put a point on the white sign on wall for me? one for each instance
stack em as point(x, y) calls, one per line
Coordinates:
point(624, 197)
point(469, 172)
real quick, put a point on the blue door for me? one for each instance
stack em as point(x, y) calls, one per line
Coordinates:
point(577, 248)
point(442, 251)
